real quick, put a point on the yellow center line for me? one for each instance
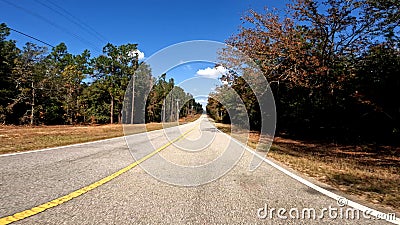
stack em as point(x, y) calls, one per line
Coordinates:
point(58, 201)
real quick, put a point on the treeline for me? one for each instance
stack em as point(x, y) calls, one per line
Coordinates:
point(38, 86)
point(167, 102)
point(333, 67)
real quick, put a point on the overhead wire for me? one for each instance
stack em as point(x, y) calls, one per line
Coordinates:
point(83, 40)
point(73, 19)
point(27, 35)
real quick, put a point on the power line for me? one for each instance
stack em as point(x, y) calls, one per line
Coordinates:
point(54, 24)
point(64, 13)
point(77, 19)
point(31, 37)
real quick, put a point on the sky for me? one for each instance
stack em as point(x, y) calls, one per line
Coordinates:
point(152, 24)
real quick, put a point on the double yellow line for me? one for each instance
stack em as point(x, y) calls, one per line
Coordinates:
point(58, 201)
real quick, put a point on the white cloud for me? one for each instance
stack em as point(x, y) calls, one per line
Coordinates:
point(140, 54)
point(202, 101)
point(188, 67)
point(214, 73)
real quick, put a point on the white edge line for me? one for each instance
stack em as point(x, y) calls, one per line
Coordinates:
point(84, 143)
point(330, 194)
point(58, 147)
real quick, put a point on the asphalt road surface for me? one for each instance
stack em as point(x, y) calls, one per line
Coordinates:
point(203, 177)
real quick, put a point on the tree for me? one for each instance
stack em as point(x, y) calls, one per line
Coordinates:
point(310, 57)
point(166, 100)
point(155, 109)
point(72, 76)
point(376, 82)
point(8, 54)
point(29, 74)
point(59, 64)
point(114, 69)
point(387, 15)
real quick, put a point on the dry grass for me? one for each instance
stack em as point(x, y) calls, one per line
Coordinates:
point(368, 171)
point(24, 138)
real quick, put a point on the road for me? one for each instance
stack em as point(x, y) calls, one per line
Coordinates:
point(157, 191)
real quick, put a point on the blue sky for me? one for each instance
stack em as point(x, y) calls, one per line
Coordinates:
point(152, 24)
